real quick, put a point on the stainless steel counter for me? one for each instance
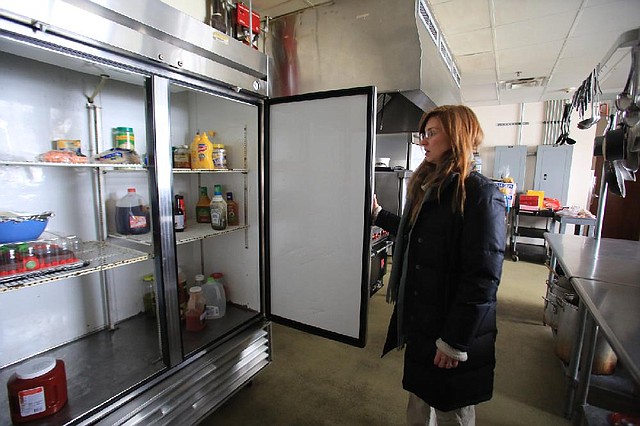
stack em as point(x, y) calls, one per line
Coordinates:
point(605, 259)
point(615, 309)
point(605, 274)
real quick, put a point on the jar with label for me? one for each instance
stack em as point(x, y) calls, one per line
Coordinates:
point(124, 138)
point(37, 389)
point(196, 313)
point(219, 156)
point(181, 157)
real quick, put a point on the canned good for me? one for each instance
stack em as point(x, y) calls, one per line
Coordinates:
point(219, 156)
point(124, 138)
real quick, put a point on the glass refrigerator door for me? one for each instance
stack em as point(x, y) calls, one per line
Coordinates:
point(77, 293)
point(222, 133)
point(318, 196)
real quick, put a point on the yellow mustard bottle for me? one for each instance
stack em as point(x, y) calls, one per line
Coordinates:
point(201, 152)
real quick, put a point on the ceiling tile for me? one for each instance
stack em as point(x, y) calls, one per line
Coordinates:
point(471, 42)
point(512, 11)
point(478, 61)
point(532, 61)
point(452, 21)
point(618, 16)
point(478, 76)
point(526, 94)
point(534, 31)
point(484, 92)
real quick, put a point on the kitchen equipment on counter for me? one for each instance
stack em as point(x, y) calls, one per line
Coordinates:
point(17, 227)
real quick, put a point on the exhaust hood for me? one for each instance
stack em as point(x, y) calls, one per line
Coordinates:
point(395, 46)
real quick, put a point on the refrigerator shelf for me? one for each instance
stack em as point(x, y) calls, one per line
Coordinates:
point(114, 167)
point(185, 171)
point(194, 232)
point(100, 257)
point(73, 165)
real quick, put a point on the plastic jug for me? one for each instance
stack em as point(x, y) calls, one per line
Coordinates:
point(216, 298)
point(132, 214)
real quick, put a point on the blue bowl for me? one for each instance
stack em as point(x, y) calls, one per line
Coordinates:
point(25, 230)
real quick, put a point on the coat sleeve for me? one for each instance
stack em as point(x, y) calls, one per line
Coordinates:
point(482, 243)
point(388, 221)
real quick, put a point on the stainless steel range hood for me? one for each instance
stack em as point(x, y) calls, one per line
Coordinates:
point(350, 43)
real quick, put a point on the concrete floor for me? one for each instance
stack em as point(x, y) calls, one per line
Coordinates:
point(314, 381)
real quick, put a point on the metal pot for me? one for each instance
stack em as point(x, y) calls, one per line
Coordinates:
point(604, 359)
point(556, 293)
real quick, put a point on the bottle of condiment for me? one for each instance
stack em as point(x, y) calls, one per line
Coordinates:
point(219, 156)
point(203, 210)
point(132, 214)
point(201, 152)
point(218, 208)
point(195, 315)
point(178, 214)
point(233, 218)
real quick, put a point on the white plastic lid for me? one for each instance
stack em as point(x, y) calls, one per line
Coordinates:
point(35, 367)
point(195, 289)
point(199, 277)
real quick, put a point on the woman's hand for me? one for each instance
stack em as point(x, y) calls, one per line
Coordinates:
point(443, 360)
point(374, 206)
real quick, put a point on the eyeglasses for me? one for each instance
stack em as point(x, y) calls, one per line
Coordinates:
point(422, 136)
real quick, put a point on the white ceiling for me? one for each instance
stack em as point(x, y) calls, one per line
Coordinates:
point(493, 41)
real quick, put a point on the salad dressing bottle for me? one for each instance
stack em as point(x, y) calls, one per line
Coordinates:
point(218, 209)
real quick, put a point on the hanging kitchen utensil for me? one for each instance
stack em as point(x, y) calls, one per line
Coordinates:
point(632, 161)
point(613, 147)
point(631, 115)
point(566, 114)
point(611, 179)
point(626, 97)
point(595, 103)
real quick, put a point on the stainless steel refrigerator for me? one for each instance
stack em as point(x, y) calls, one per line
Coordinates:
point(391, 189)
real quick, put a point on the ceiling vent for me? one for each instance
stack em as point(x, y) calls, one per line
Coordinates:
point(428, 21)
point(521, 83)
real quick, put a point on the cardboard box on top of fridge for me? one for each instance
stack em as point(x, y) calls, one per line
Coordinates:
point(539, 194)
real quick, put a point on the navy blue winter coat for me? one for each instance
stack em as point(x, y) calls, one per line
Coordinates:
point(454, 269)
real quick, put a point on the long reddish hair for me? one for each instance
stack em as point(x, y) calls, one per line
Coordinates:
point(462, 127)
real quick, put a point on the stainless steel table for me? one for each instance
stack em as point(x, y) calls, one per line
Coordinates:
point(613, 310)
point(563, 220)
point(605, 270)
point(605, 259)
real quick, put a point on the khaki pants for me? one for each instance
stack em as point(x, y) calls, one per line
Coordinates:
point(419, 413)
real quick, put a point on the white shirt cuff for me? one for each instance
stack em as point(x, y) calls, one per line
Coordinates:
point(374, 213)
point(451, 351)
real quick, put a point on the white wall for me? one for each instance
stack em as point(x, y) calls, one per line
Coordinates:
point(580, 181)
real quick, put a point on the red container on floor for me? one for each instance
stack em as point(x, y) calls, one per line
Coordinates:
point(37, 389)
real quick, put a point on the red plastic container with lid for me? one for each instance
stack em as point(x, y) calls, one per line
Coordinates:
point(37, 389)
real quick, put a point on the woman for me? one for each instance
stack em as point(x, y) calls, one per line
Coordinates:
point(446, 268)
